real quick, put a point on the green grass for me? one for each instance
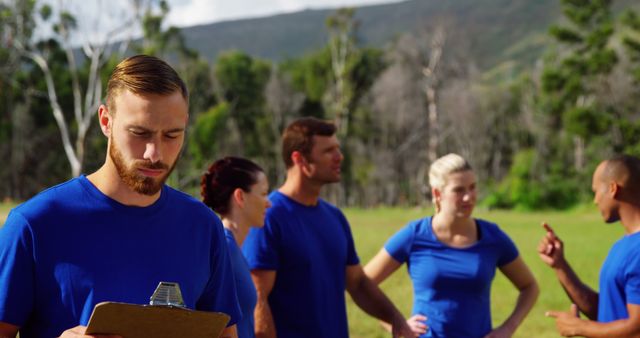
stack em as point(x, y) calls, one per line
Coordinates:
point(4, 211)
point(587, 240)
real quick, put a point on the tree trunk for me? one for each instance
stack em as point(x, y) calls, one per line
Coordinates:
point(434, 140)
point(578, 153)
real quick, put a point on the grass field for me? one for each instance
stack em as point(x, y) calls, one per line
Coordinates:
point(587, 241)
point(4, 211)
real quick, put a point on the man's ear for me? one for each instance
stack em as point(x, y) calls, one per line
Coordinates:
point(298, 158)
point(105, 119)
point(614, 189)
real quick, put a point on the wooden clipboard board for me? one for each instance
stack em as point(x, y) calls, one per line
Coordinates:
point(146, 321)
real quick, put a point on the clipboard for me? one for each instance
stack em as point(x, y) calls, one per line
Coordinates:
point(143, 321)
point(165, 317)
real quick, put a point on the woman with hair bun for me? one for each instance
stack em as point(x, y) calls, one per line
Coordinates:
point(237, 190)
point(452, 258)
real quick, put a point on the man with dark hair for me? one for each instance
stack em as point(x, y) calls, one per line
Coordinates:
point(115, 234)
point(304, 258)
point(615, 310)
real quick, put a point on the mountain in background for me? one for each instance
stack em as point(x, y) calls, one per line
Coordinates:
point(495, 30)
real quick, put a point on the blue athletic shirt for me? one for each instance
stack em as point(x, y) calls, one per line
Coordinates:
point(71, 247)
point(310, 248)
point(244, 285)
point(452, 286)
point(620, 279)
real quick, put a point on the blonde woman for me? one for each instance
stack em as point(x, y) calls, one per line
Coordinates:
point(452, 258)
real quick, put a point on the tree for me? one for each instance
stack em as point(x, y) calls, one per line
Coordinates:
point(570, 86)
point(282, 103)
point(26, 126)
point(14, 124)
point(242, 81)
point(431, 60)
point(159, 41)
point(206, 140)
point(631, 40)
point(342, 29)
point(431, 72)
point(86, 96)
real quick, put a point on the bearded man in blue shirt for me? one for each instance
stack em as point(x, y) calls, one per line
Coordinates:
point(115, 234)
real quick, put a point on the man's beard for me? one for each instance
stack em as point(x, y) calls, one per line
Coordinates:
point(325, 178)
point(133, 179)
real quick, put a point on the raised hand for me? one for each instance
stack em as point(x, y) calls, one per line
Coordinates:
point(551, 248)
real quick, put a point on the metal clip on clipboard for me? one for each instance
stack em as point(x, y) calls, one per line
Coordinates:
point(167, 294)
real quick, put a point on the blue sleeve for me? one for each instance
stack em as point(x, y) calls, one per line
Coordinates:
point(352, 255)
point(220, 294)
point(508, 251)
point(16, 270)
point(399, 245)
point(632, 279)
point(261, 248)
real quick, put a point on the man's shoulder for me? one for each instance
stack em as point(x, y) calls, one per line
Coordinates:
point(628, 246)
point(182, 202)
point(53, 199)
point(328, 206)
point(331, 211)
point(281, 205)
point(182, 198)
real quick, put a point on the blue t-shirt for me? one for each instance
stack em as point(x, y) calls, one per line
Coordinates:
point(244, 285)
point(620, 279)
point(452, 286)
point(71, 247)
point(310, 249)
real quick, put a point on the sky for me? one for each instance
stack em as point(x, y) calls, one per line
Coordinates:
point(103, 21)
point(193, 12)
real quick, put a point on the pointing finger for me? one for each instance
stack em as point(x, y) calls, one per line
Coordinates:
point(547, 227)
point(553, 314)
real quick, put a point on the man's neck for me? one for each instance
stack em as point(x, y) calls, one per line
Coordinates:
point(301, 190)
point(630, 218)
point(108, 181)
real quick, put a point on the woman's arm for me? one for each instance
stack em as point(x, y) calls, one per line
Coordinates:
point(381, 266)
point(521, 277)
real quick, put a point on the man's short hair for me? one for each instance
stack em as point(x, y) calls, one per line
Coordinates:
point(144, 74)
point(298, 136)
point(624, 169)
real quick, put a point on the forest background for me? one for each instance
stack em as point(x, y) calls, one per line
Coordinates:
point(533, 93)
